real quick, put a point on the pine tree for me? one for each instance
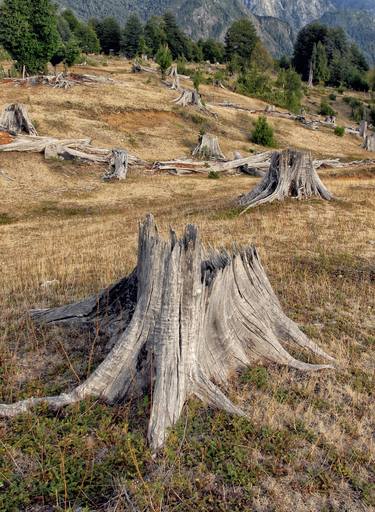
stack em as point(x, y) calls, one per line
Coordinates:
point(109, 34)
point(164, 58)
point(154, 33)
point(131, 37)
point(28, 31)
point(178, 42)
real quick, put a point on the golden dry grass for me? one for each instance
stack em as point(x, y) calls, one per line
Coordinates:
point(310, 445)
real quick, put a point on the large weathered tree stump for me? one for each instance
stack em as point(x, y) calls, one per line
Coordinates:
point(370, 142)
point(173, 74)
point(15, 119)
point(291, 174)
point(181, 323)
point(208, 148)
point(118, 167)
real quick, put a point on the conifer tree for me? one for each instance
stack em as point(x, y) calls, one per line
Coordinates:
point(132, 37)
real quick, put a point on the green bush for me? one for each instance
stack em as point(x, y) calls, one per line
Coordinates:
point(326, 109)
point(332, 96)
point(263, 133)
point(213, 175)
point(340, 131)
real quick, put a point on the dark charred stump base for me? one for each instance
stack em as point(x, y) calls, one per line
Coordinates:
point(182, 322)
point(291, 174)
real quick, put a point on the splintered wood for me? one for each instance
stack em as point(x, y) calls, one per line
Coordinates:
point(168, 319)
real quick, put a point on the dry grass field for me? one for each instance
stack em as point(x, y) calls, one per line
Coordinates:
point(307, 444)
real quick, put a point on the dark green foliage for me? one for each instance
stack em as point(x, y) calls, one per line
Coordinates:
point(197, 78)
point(340, 131)
point(332, 96)
point(263, 133)
point(240, 41)
point(70, 17)
point(357, 106)
point(59, 56)
point(326, 109)
point(290, 85)
point(28, 31)
point(64, 29)
point(334, 60)
point(87, 39)
point(154, 34)
point(178, 42)
point(284, 62)
point(164, 59)
point(213, 51)
point(131, 37)
point(109, 33)
point(72, 52)
point(213, 175)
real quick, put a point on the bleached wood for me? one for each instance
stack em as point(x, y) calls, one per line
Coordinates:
point(118, 167)
point(363, 129)
point(208, 148)
point(370, 143)
point(291, 174)
point(188, 317)
point(15, 119)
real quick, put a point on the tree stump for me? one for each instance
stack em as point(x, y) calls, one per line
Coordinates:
point(15, 119)
point(118, 167)
point(363, 127)
point(182, 323)
point(173, 74)
point(291, 174)
point(370, 142)
point(208, 148)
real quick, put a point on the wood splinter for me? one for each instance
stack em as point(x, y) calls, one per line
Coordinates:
point(187, 316)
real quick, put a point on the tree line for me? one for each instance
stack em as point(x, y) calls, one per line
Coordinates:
point(35, 33)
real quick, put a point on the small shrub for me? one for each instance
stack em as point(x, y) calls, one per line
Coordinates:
point(213, 175)
point(340, 131)
point(326, 109)
point(332, 96)
point(340, 90)
point(263, 133)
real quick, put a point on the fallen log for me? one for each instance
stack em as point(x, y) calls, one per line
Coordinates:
point(64, 149)
point(168, 321)
point(291, 174)
point(246, 169)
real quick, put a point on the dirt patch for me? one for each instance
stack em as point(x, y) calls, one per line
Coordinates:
point(144, 119)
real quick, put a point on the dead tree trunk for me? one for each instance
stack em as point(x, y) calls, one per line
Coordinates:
point(173, 74)
point(189, 97)
point(370, 143)
point(291, 174)
point(15, 120)
point(363, 127)
point(208, 148)
point(174, 332)
point(118, 167)
point(311, 76)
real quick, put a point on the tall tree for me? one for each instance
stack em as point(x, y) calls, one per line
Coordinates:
point(240, 41)
point(28, 31)
point(87, 38)
point(178, 42)
point(71, 18)
point(213, 51)
point(109, 33)
point(132, 37)
point(320, 63)
point(154, 33)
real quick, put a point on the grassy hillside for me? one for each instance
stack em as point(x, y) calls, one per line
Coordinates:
point(306, 444)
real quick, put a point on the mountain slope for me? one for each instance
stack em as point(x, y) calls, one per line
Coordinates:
point(295, 12)
point(359, 27)
point(199, 18)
